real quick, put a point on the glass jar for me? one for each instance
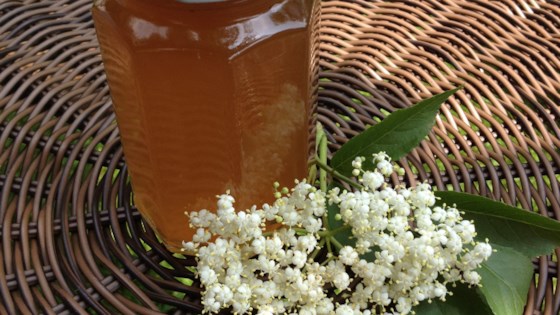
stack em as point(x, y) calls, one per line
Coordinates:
point(210, 96)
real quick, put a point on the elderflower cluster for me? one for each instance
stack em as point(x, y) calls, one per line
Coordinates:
point(406, 250)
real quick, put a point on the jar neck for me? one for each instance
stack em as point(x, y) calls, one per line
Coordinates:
point(192, 5)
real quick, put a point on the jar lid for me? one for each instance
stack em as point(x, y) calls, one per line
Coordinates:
point(200, 1)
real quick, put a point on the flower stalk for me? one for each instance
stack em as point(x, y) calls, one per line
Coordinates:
point(327, 169)
point(322, 156)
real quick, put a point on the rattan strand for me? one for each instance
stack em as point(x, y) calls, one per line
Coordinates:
point(72, 243)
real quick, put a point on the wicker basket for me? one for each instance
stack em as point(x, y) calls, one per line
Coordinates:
point(72, 242)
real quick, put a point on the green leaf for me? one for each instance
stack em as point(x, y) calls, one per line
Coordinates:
point(464, 301)
point(528, 233)
point(506, 278)
point(397, 134)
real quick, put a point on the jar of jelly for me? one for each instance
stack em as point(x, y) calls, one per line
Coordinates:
point(210, 96)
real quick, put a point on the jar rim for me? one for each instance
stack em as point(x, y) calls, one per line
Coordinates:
point(198, 5)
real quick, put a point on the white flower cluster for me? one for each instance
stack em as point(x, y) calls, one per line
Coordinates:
point(406, 250)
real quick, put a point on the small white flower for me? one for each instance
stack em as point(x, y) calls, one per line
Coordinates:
point(385, 167)
point(258, 245)
point(211, 305)
point(483, 250)
point(312, 225)
point(381, 156)
point(341, 280)
point(225, 201)
point(307, 310)
point(202, 218)
point(348, 255)
point(291, 217)
point(273, 245)
point(241, 299)
point(324, 307)
point(404, 305)
point(291, 274)
point(224, 295)
point(439, 290)
point(357, 162)
point(266, 310)
point(299, 258)
point(373, 180)
point(270, 212)
point(333, 195)
point(207, 276)
point(306, 243)
point(189, 247)
point(344, 310)
point(201, 236)
point(471, 277)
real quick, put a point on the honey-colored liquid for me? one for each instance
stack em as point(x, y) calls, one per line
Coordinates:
point(209, 98)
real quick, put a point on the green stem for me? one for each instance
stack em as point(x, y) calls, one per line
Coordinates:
point(329, 233)
point(336, 174)
point(322, 155)
point(318, 249)
point(336, 243)
point(312, 174)
point(324, 263)
point(300, 231)
point(297, 230)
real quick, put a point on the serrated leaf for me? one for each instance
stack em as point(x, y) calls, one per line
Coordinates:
point(505, 280)
point(464, 301)
point(397, 134)
point(528, 233)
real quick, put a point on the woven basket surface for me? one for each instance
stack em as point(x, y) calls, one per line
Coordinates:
point(72, 242)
